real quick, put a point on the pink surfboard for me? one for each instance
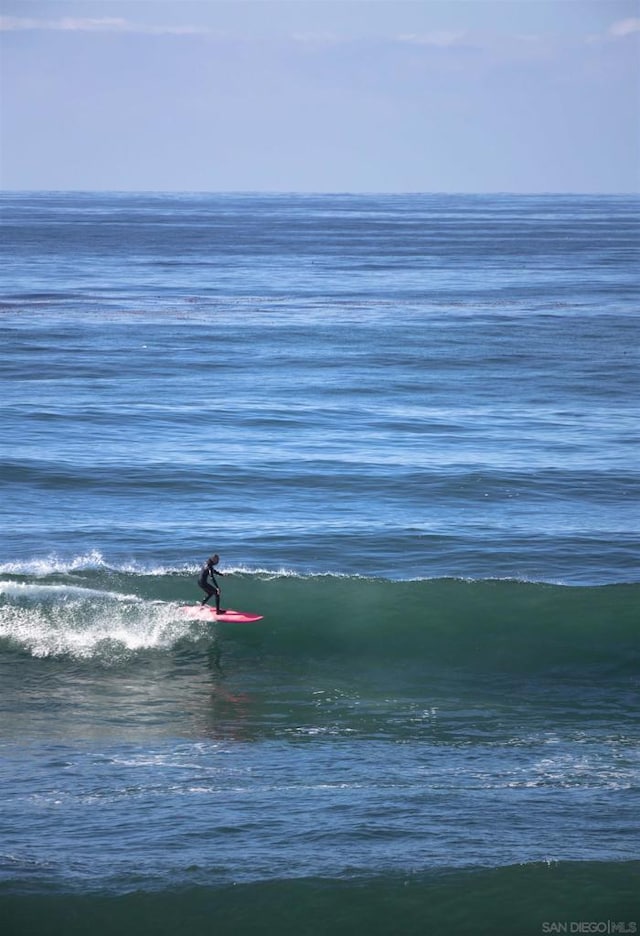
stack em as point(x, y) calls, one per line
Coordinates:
point(227, 616)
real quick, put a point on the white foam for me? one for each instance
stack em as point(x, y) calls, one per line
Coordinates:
point(39, 591)
point(92, 625)
point(40, 567)
point(52, 564)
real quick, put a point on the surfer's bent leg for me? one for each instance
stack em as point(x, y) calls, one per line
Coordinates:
point(209, 590)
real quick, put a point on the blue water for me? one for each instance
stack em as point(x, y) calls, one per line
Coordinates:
point(409, 427)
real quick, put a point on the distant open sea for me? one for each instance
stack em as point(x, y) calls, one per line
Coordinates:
point(409, 425)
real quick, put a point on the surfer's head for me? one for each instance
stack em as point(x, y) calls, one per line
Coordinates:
point(213, 560)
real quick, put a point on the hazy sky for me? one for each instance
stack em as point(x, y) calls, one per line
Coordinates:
point(321, 95)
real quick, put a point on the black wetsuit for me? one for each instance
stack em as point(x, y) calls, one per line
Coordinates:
point(207, 571)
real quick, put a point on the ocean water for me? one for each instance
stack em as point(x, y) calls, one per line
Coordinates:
point(409, 426)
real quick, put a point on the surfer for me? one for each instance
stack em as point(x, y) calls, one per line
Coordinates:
point(209, 571)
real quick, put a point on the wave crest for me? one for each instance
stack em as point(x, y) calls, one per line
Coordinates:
point(495, 625)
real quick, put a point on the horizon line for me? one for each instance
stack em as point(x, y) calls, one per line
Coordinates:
point(314, 192)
